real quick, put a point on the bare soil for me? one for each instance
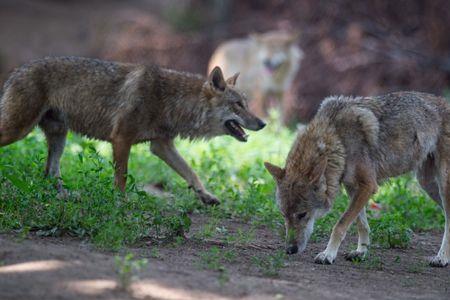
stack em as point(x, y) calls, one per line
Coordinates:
point(67, 268)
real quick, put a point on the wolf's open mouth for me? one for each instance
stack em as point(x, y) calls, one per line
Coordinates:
point(235, 130)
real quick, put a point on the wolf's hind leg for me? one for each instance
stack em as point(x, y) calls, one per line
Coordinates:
point(21, 110)
point(427, 177)
point(443, 257)
point(55, 131)
point(166, 150)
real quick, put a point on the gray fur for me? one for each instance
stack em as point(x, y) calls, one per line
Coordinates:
point(121, 103)
point(360, 142)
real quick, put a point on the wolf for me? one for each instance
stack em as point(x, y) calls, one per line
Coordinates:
point(123, 104)
point(270, 60)
point(358, 142)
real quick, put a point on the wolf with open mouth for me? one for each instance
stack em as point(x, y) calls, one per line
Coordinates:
point(123, 104)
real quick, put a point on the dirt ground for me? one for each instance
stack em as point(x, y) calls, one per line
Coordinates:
point(67, 268)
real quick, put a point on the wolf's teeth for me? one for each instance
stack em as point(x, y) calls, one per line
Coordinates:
point(237, 128)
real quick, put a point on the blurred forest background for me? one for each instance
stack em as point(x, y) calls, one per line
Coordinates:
point(350, 47)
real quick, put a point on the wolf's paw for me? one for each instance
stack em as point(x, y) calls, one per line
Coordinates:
point(208, 198)
point(324, 258)
point(438, 262)
point(355, 255)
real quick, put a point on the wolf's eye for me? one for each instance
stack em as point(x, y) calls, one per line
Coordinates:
point(301, 215)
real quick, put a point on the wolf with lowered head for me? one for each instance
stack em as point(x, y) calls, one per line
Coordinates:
point(123, 104)
point(359, 142)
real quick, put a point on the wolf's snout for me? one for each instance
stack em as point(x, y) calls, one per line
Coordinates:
point(292, 249)
point(271, 65)
point(261, 124)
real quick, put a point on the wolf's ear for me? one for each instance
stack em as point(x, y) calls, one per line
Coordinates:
point(276, 172)
point(317, 171)
point(232, 80)
point(216, 79)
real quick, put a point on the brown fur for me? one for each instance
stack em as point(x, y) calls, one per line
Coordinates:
point(124, 104)
point(359, 142)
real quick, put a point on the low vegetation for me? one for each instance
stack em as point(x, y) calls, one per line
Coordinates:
point(233, 171)
point(127, 268)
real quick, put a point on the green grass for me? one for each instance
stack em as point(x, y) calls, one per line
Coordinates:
point(270, 265)
point(127, 268)
point(233, 171)
point(215, 259)
point(371, 262)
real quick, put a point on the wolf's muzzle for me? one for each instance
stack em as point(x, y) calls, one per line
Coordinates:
point(292, 249)
point(261, 124)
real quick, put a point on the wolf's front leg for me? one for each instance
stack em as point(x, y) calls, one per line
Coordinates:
point(361, 198)
point(166, 151)
point(363, 230)
point(363, 237)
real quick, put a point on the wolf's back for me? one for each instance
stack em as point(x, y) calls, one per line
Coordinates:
point(85, 92)
point(345, 113)
point(399, 130)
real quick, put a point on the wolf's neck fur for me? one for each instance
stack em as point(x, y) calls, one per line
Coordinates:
point(186, 104)
point(318, 142)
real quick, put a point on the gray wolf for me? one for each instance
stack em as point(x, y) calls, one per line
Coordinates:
point(359, 142)
point(123, 104)
point(269, 61)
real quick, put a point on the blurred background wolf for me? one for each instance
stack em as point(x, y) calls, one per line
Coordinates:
point(269, 62)
point(349, 47)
